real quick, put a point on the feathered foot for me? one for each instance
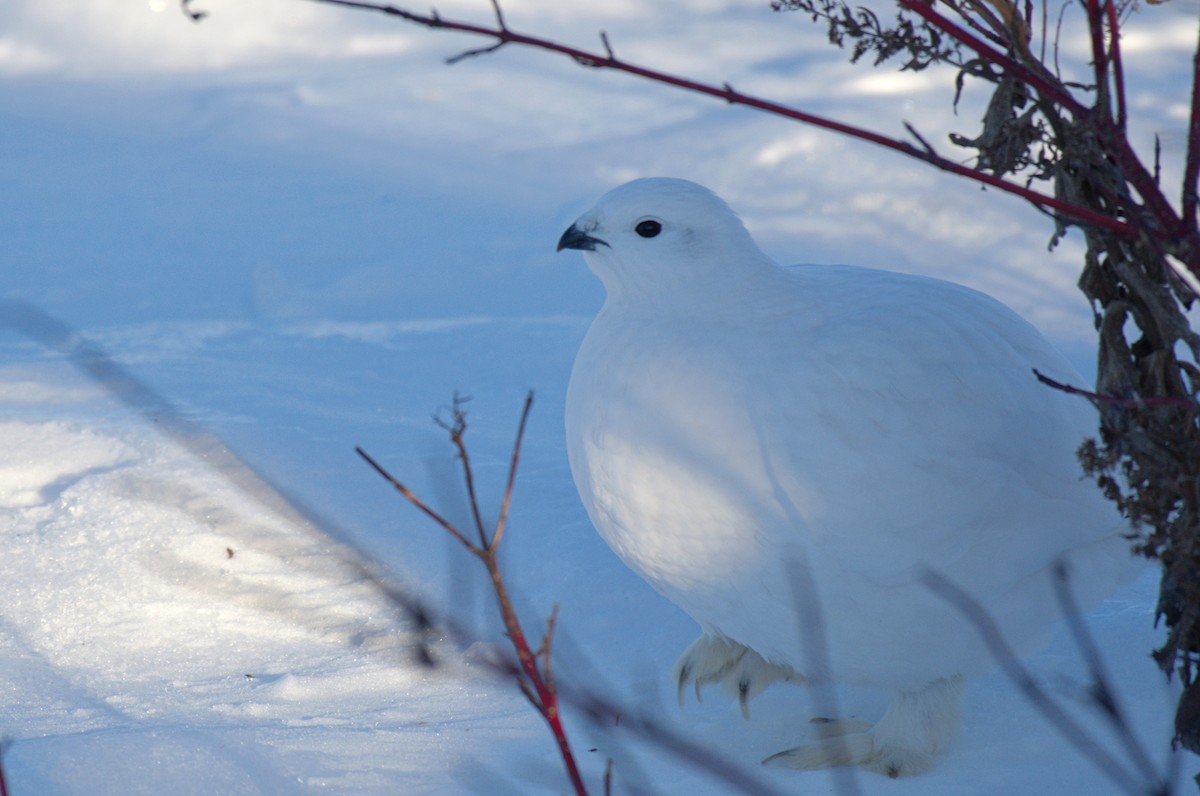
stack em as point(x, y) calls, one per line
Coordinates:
point(915, 729)
point(742, 672)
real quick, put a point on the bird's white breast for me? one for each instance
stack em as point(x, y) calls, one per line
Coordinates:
point(656, 436)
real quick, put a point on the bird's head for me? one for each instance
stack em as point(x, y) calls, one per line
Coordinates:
point(660, 234)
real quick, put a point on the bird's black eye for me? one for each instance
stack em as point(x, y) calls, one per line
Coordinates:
point(648, 228)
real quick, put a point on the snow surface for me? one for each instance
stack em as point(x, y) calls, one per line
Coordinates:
point(302, 230)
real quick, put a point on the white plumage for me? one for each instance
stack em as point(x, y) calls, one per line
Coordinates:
point(750, 438)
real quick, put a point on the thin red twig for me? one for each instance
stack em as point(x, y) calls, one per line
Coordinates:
point(416, 501)
point(469, 476)
point(1128, 403)
point(504, 35)
point(512, 471)
point(456, 426)
point(546, 700)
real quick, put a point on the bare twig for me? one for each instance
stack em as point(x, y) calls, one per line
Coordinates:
point(457, 428)
point(928, 147)
point(473, 52)
point(499, 15)
point(484, 50)
point(535, 681)
point(502, 521)
point(1128, 403)
point(416, 501)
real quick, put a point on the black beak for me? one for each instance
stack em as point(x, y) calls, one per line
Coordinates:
point(576, 238)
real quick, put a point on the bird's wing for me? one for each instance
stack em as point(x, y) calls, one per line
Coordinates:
point(905, 430)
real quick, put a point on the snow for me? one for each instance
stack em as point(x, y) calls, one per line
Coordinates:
point(304, 232)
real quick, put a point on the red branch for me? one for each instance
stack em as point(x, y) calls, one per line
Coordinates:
point(607, 60)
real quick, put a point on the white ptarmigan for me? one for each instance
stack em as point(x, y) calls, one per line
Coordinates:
point(765, 444)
